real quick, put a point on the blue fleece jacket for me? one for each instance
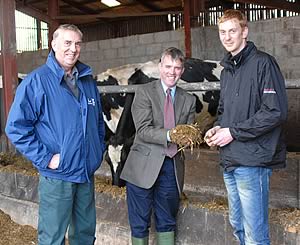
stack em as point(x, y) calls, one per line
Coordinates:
point(47, 119)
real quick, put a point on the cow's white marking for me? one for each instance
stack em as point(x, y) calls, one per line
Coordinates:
point(150, 68)
point(216, 71)
point(121, 74)
point(115, 117)
point(115, 155)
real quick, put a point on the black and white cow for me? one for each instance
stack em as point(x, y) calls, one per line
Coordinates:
point(117, 106)
point(118, 145)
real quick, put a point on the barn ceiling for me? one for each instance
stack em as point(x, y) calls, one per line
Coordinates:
point(90, 11)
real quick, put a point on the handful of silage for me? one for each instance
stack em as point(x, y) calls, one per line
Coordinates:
point(186, 136)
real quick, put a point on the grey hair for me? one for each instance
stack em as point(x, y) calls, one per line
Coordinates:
point(69, 27)
point(175, 53)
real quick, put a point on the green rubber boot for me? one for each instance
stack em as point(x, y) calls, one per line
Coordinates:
point(165, 238)
point(139, 241)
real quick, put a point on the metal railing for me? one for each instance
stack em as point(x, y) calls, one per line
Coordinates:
point(196, 86)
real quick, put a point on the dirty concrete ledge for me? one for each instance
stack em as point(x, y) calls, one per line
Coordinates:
point(196, 225)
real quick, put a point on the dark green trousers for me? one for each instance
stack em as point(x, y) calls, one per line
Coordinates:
point(66, 205)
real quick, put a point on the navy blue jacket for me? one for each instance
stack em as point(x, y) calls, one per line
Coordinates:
point(46, 119)
point(253, 105)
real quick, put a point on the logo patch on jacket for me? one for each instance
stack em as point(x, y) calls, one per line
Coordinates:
point(269, 91)
point(91, 101)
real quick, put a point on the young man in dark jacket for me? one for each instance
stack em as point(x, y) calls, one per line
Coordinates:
point(56, 122)
point(252, 109)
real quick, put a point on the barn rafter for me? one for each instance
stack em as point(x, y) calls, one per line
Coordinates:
point(31, 11)
point(150, 5)
point(80, 7)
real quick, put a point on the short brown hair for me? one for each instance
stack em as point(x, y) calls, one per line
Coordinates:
point(234, 14)
point(175, 53)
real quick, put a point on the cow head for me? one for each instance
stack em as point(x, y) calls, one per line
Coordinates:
point(196, 70)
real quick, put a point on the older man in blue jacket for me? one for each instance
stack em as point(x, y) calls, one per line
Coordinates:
point(56, 122)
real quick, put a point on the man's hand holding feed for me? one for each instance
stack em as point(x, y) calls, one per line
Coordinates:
point(209, 134)
point(186, 135)
point(218, 136)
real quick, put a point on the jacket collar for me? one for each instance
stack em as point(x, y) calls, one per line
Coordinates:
point(83, 70)
point(230, 62)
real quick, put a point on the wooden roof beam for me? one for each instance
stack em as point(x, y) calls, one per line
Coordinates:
point(80, 7)
point(89, 1)
point(32, 12)
point(30, 1)
point(113, 15)
point(148, 5)
point(214, 3)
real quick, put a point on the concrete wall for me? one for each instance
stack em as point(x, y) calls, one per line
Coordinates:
point(279, 37)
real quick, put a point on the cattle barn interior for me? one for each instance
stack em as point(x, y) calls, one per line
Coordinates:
point(120, 40)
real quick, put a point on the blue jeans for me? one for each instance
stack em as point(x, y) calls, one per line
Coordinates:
point(248, 197)
point(64, 204)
